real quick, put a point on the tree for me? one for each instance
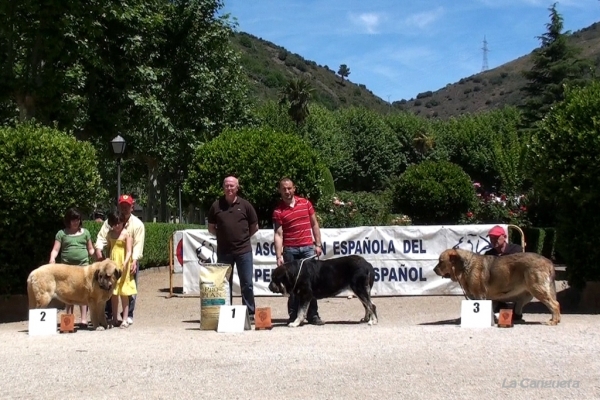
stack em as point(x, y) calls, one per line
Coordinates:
point(199, 90)
point(417, 137)
point(555, 64)
point(376, 152)
point(324, 133)
point(296, 95)
point(344, 72)
point(564, 160)
point(259, 158)
point(163, 74)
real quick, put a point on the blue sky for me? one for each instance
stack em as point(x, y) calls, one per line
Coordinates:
point(399, 48)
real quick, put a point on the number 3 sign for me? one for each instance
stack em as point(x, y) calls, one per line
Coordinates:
point(476, 314)
point(233, 319)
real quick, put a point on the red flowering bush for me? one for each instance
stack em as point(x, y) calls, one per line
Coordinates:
point(497, 208)
point(350, 209)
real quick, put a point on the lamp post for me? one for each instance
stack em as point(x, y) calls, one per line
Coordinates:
point(118, 146)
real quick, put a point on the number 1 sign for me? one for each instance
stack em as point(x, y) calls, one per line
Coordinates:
point(42, 321)
point(233, 319)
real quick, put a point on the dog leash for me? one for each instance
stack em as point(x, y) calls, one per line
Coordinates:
point(300, 270)
point(457, 280)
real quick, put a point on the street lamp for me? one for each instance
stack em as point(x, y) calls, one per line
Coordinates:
point(118, 146)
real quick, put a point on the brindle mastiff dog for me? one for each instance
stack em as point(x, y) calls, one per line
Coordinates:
point(90, 285)
point(516, 277)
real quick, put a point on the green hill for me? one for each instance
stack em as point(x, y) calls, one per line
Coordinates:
point(493, 88)
point(270, 67)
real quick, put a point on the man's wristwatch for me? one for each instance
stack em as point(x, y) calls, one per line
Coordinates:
point(318, 245)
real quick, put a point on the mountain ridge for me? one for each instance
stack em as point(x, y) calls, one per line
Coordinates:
point(269, 67)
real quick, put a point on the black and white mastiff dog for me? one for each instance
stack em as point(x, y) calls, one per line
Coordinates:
point(319, 279)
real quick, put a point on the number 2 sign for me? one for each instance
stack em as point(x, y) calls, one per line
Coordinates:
point(42, 321)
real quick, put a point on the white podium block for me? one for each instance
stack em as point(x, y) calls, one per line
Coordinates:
point(42, 321)
point(476, 314)
point(233, 319)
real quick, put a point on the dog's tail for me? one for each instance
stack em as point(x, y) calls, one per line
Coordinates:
point(371, 277)
point(31, 298)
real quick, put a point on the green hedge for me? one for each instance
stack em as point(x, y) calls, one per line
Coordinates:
point(537, 240)
point(156, 244)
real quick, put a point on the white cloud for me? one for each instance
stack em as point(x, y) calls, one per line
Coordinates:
point(368, 21)
point(424, 19)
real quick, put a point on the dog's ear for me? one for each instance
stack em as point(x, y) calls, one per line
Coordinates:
point(453, 255)
point(118, 274)
point(96, 275)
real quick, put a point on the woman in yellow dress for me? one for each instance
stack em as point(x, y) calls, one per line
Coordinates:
point(121, 244)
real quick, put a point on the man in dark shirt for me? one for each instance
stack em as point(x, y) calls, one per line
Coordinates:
point(233, 221)
point(501, 247)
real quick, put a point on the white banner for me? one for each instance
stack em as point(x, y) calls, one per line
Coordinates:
point(403, 256)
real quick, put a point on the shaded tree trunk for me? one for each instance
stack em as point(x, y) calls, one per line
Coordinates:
point(151, 190)
point(163, 214)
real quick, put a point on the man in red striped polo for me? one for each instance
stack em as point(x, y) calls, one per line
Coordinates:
point(297, 236)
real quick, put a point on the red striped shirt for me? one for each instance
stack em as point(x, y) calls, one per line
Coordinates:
point(295, 222)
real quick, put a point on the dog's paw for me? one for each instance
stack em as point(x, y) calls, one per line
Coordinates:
point(100, 328)
point(552, 322)
point(294, 324)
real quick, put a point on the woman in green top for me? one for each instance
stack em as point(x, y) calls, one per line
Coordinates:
point(74, 243)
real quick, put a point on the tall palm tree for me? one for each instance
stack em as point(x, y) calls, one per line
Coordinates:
point(296, 94)
point(423, 142)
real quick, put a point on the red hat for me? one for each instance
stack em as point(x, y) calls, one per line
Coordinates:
point(126, 199)
point(497, 231)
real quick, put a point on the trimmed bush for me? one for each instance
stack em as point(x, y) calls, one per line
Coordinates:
point(434, 192)
point(259, 158)
point(328, 183)
point(538, 240)
point(42, 173)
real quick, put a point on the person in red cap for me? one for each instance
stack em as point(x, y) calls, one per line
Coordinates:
point(499, 242)
point(136, 229)
point(501, 247)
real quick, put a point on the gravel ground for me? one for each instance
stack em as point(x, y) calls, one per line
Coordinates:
point(416, 351)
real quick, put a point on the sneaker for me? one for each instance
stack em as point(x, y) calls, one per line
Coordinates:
point(129, 320)
point(316, 321)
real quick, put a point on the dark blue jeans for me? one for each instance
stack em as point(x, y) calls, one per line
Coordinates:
point(298, 253)
point(245, 270)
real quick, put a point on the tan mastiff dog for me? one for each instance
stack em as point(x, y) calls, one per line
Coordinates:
point(90, 285)
point(515, 277)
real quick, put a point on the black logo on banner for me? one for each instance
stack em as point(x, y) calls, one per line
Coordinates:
point(201, 257)
point(475, 243)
